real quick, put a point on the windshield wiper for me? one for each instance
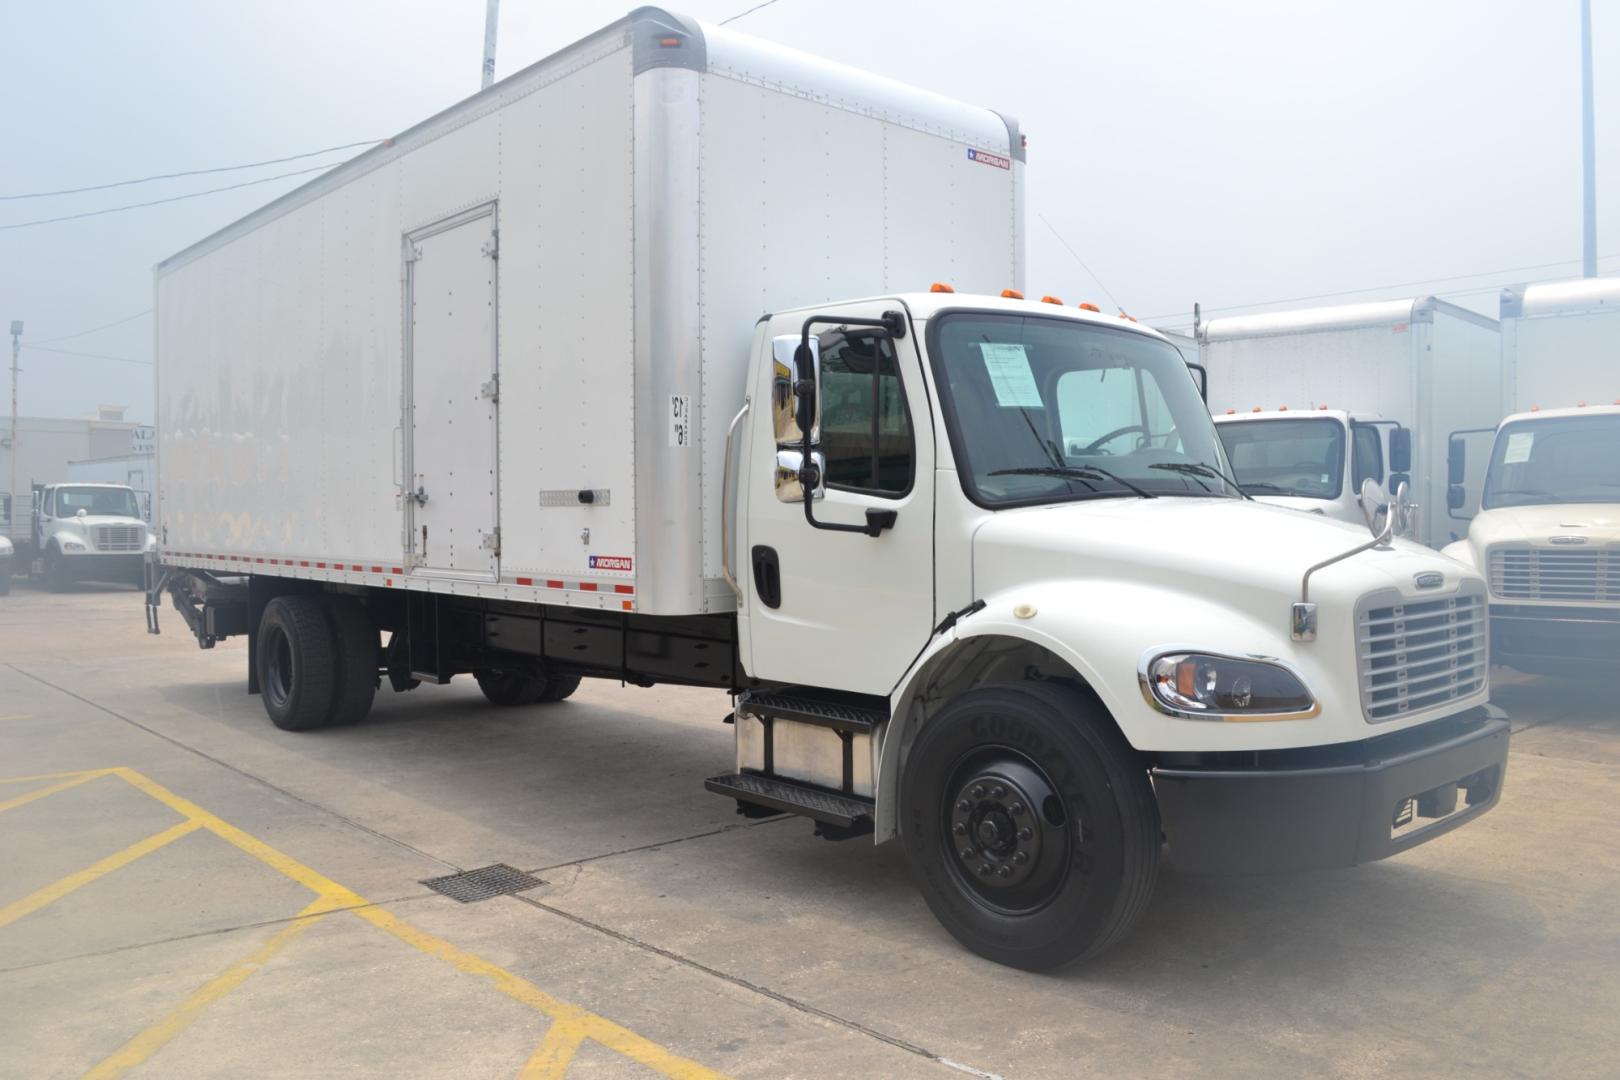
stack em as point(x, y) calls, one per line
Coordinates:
point(1199, 468)
point(1089, 472)
point(1264, 486)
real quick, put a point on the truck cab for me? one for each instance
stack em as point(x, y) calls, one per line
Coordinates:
point(89, 532)
point(1319, 460)
point(1547, 537)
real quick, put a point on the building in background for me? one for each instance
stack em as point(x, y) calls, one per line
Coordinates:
point(46, 446)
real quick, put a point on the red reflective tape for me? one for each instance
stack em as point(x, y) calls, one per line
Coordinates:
point(525, 581)
point(624, 588)
point(388, 582)
point(554, 584)
point(374, 569)
point(318, 566)
point(303, 562)
point(587, 586)
point(397, 570)
point(260, 559)
point(354, 566)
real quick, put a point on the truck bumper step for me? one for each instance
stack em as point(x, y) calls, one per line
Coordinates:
point(829, 807)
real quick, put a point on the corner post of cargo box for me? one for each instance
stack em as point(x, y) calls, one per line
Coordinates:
point(668, 55)
point(1017, 150)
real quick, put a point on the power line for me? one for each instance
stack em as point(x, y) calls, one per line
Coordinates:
point(1375, 288)
point(189, 172)
point(92, 330)
point(170, 199)
point(87, 355)
point(750, 11)
point(1081, 261)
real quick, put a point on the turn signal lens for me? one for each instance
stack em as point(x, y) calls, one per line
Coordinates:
point(1208, 686)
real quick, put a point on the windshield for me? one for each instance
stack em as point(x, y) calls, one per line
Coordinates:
point(1286, 457)
point(113, 502)
point(1045, 410)
point(1569, 459)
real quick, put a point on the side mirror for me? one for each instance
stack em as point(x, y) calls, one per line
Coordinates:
point(790, 371)
point(788, 483)
point(1400, 450)
point(79, 513)
point(1455, 497)
point(1456, 462)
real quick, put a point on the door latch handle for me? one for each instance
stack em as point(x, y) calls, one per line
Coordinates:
point(420, 495)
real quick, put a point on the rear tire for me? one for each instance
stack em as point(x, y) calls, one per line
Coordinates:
point(355, 671)
point(511, 688)
point(296, 653)
point(560, 687)
point(1030, 825)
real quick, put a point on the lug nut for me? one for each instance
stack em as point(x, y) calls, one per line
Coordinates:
point(1016, 809)
point(1020, 856)
point(968, 853)
point(964, 806)
point(998, 792)
point(984, 868)
point(959, 829)
point(1026, 833)
point(978, 791)
point(1004, 871)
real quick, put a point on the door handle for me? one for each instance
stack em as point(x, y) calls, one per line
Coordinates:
point(420, 495)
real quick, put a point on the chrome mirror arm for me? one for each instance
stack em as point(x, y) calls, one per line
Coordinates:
point(1302, 620)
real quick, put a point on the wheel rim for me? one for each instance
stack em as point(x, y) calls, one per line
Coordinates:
point(278, 675)
point(1008, 833)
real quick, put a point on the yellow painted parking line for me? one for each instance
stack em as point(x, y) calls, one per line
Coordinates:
point(143, 1046)
point(17, 716)
point(54, 776)
point(571, 1024)
point(58, 889)
point(24, 800)
point(555, 1052)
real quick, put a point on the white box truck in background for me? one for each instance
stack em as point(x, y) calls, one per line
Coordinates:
point(552, 374)
point(1547, 530)
point(1311, 403)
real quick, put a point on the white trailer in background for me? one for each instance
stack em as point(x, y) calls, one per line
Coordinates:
point(1311, 403)
point(134, 471)
point(1547, 530)
point(629, 367)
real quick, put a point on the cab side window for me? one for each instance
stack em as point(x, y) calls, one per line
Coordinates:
point(1368, 460)
point(865, 425)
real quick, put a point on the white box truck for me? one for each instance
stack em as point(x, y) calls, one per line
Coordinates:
point(1312, 403)
point(1547, 530)
point(539, 390)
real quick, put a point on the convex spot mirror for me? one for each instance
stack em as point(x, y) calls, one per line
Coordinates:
point(790, 410)
point(1400, 450)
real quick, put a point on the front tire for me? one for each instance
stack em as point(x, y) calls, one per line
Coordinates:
point(296, 653)
point(58, 575)
point(1030, 825)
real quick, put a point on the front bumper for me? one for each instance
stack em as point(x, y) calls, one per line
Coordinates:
point(96, 566)
point(1543, 636)
point(1284, 810)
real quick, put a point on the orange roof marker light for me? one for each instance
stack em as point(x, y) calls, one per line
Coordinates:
point(1535, 408)
point(1282, 408)
point(1229, 412)
point(1125, 316)
point(1255, 409)
point(1051, 300)
point(940, 286)
point(1323, 406)
point(1580, 405)
point(1011, 294)
point(1087, 305)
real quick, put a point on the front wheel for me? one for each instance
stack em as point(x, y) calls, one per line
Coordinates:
point(58, 574)
point(1029, 824)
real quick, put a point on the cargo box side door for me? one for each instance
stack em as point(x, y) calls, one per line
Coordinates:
point(452, 398)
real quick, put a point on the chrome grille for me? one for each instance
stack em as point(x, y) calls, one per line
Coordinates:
point(1572, 574)
point(118, 538)
point(1418, 654)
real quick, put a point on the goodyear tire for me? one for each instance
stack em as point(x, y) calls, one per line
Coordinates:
point(356, 660)
point(1030, 825)
point(296, 660)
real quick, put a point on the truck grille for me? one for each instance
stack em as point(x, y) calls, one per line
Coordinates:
point(1573, 575)
point(119, 538)
point(1416, 655)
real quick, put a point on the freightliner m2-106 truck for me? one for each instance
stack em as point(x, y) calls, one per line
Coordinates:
point(1547, 531)
point(1312, 404)
point(620, 369)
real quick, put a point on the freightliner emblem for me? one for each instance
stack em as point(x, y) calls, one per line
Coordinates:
point(1429, 580)
point(1566, 539)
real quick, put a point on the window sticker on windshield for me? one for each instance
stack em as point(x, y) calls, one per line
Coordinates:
point(1008, 368)
point(1518, 447)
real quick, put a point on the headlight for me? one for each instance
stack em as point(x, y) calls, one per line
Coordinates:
point(5, 546)
point(1208, 686)
point(72, 545)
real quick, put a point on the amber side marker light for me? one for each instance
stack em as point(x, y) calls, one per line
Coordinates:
point(1012, 294)
point(669, 43)
point(1051, 300)
point(1087, 305)
point(940, 286)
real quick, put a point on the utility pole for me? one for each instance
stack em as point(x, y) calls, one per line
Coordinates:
point(491, 19)
point(1588, 154)
point(11, 490)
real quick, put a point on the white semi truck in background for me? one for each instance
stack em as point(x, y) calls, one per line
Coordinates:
point(1310, 404)
point(1546, 533)
point(629, 367)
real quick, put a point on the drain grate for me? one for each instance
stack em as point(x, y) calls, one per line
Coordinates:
point(470, 886)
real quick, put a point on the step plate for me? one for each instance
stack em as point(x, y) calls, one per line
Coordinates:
point(790, 798)
point(809, 710)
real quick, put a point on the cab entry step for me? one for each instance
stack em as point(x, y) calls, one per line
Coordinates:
point(846, 712)
point(829, 807)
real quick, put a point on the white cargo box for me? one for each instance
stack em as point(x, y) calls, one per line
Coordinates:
point(498, 354)
point(1561, 344)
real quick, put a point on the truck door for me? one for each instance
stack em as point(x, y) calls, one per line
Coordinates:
point(451, 386)
point(832, 608)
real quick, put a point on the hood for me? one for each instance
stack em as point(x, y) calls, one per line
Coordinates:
point(1536, 526)
point(1262, 551)
point(101, 519)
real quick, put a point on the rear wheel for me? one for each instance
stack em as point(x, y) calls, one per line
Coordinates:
point(559, 687)
point(296, 650)
point(508, 687)
point(355, 670)
point(1029, 824)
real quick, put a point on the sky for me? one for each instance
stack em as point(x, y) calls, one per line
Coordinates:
point(1229, 154)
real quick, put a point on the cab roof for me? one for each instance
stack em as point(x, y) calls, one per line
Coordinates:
point(1554, 414)
point(925, 305)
